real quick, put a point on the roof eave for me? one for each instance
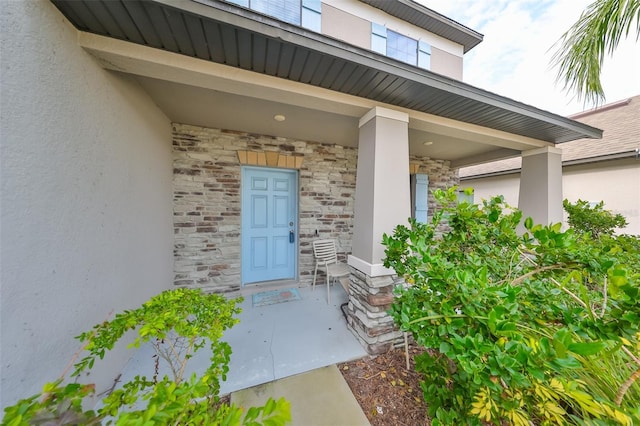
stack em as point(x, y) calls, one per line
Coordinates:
point(463, 101)
point(372, 59)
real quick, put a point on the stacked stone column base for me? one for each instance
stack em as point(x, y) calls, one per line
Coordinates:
point(367, 317)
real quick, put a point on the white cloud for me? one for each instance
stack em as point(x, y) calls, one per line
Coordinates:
point(514, 58)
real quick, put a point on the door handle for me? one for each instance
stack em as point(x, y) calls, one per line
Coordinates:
point(292, 237)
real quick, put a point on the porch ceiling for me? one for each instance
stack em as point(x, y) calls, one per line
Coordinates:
point(184, 103)
point(265, 48)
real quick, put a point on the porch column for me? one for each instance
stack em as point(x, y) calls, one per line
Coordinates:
point(541, 185)
point(382, 202)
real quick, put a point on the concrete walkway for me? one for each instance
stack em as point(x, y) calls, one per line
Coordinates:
point(318, 398)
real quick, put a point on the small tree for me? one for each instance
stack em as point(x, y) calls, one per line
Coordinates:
point(596, 221)
point(177, 323)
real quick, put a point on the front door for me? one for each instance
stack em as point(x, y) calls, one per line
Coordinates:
point(269, 222)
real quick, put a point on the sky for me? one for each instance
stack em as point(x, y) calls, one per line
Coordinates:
point(514, 58)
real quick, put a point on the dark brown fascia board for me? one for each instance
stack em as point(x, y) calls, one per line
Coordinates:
point(465, 32)
point(247, 19)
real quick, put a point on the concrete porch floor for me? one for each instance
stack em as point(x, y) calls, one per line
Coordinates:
point(274, 341)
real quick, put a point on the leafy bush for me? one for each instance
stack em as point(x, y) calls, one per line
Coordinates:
point(177, 323)
point(540, 328)
point(595, 220)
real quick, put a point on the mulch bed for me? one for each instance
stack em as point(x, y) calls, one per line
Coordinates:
point(388, 393)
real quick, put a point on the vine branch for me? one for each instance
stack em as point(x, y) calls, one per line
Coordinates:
point(604, 298)
point(533, 272)
point(625, 386)
point(633, 357)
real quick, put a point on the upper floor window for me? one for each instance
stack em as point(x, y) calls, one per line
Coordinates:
point(305, 13)
point(400, 47)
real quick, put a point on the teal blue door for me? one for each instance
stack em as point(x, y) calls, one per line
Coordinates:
point(269, 224)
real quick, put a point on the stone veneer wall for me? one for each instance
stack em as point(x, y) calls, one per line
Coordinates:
point(207, 202)
point(441, 176)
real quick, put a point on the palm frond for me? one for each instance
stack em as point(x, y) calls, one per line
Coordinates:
point(581, 50)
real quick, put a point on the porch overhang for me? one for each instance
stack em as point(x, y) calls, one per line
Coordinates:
point(248, 42)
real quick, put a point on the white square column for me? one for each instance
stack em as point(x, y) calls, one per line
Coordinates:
point(382, 198)
point(541, 185)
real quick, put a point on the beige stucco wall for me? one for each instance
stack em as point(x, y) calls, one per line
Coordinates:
point(614, 182)
point(617, 183)
point(345, 26)
point(86, 225)
point(486, 188)
point(446, 64)
point(360, 11)
point(355, 30)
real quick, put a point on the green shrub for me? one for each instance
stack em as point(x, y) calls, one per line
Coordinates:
point(596, 221)
point(519, 329)
point(177, 323)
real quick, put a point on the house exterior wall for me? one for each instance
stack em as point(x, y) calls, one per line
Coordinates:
point(350, 21)
point(617, 183)
point(614, 182)
point(484, 188)
point(441, 176)
point(446, 63)
point(85, 201)
point(346, 27)
point(207, 200)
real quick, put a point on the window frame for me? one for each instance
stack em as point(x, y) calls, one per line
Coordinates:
point(311, 15)
point(401, 41)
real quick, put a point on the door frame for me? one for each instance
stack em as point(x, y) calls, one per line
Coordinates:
point(296, 193)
